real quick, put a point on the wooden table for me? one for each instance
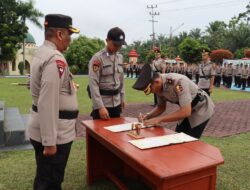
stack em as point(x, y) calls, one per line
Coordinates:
point(187, 166)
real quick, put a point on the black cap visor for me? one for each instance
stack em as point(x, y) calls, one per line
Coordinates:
point(145, 78)
point(119, 43)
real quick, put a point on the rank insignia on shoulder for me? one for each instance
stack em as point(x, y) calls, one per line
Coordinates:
point(178, 88)
point(61, 67)
point(96, 65)
point(169, 81)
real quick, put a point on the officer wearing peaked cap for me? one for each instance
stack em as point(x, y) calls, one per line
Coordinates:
point(206, 73)
point(106, 86)
point(51, 126)
point(196, 107)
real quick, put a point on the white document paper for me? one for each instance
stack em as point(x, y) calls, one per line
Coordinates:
point(162, 140)
point(122, 127)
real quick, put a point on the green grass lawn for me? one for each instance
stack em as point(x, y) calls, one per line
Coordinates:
point(17, 168)
point(19, 96)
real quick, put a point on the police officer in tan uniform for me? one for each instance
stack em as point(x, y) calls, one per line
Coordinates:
point(218, 75)
point(106, 84)
point(206, 73)
point(51, 126)
point(237, 74)
point(248, 79)
point(224, 79)
point(189, 71)
point(229, 75)
point(244, 76)
point(158, 65)
point(196, 107)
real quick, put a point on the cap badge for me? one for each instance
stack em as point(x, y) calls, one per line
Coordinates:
point(147, 90)
point(121, 37)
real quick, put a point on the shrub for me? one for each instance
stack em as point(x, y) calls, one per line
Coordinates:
point(21, 67)
point(247, 53)
point(220, 54)
point(74, 69)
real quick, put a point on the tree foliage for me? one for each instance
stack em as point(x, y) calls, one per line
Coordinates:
point(240, 53)
point(12, 25)
point(215, 34)
point(190, 50)
point(80, 52)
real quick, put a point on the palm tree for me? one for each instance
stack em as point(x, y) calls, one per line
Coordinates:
point(28, 11)
point(215, 37)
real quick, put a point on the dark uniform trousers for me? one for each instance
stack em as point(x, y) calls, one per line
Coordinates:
point(197, 78)
point(113, 112)
point(244, 83)
point(50, 169)
point(194, 132)
point(229, 81)
point(217, 80)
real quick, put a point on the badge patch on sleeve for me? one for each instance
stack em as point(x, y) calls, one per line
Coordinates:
point(61, 67)
point(178, 88)
point(96, 65)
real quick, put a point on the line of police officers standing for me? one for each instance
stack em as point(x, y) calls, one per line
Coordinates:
point(240, 74)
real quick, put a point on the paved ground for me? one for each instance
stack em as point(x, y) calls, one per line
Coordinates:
point(230, 118)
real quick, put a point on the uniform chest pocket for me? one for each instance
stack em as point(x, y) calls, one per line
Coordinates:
point(120, 68)
point(206, 70)
point(107, 69)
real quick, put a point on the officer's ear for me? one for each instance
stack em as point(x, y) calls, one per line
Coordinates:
point(59, 35)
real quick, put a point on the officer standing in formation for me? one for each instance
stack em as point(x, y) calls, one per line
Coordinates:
point(218, 75)
point(206, 73)
point(248, 79)
point(229, 75)
point(244, 76)
point(196, 107)
point(159, 66)
point(106, 84)
point(237, 74)
point(51, 126)
point(189, 71)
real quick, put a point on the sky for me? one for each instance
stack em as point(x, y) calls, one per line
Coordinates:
point(95, 17)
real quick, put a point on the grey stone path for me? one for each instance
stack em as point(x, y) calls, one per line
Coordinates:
point(230, 118)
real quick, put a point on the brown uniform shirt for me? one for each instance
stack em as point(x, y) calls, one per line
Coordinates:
point(206, 71)
point(159, 65)
point(52, 90)
point(106, 72)
point(179, 89)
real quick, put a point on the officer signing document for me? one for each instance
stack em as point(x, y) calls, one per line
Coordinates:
point(196, 107)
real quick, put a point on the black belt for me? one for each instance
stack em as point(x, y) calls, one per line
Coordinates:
point(109, 92)
point(105, 92)
point(62, 114)
point(198, 98)
point(205, 77)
